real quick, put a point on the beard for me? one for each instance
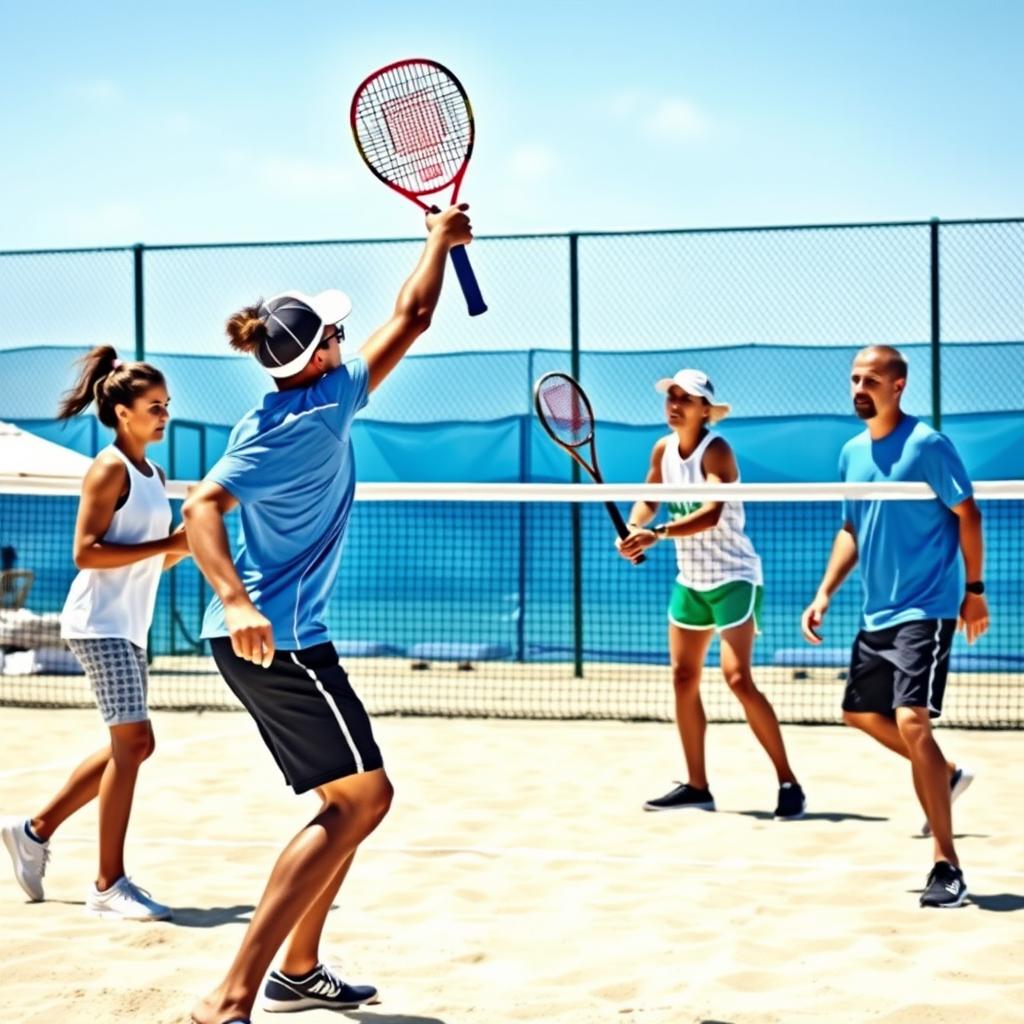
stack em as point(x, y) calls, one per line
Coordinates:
point(865, 408)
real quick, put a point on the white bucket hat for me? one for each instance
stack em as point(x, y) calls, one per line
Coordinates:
point(695, 382)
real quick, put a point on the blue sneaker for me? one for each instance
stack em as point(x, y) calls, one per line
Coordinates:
point(321, 987)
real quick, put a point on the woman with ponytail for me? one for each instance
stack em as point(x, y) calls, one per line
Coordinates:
point(122, 544)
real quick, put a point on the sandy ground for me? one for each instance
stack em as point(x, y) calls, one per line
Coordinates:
point(517, 879)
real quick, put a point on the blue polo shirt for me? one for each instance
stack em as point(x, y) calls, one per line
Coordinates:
point(909, 551)
point(289, 463)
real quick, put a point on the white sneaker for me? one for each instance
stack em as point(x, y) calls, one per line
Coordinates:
point(958, 784)
point(124, 899)
point(29, 857)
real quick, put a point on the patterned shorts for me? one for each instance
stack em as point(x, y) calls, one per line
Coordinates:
point(119, 676)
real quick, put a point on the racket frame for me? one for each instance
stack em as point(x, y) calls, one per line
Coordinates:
point(592, 467)
point(460, 261)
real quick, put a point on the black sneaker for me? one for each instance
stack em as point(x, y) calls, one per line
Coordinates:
point(945, 886)
point(792, 802)
point(321, 987)
point(683, 797)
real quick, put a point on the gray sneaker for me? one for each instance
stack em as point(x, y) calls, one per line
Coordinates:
point(125, 900)
point(958, 784)
point(28, 856)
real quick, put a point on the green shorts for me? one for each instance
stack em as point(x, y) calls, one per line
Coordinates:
point(720, 608)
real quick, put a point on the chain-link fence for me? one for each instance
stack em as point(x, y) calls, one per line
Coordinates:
point(773, 314)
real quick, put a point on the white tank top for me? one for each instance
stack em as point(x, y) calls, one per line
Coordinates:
point(119, 602)
point(716, 556)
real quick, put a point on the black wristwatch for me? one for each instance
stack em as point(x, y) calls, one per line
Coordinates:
point(975, 588)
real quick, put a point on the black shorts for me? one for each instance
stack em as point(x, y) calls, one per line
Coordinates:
point(307, 713)
point(903, 666)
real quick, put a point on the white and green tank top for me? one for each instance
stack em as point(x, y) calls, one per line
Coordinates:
point(716, 556)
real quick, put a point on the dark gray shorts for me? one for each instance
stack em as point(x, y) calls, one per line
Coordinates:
point(307, 712)
point(119, 677)
point(903, 666)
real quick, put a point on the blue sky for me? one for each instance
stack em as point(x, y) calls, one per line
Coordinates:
point(199, 122)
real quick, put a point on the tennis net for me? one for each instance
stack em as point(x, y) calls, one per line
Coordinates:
point(511, 601)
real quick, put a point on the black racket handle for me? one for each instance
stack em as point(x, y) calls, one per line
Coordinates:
point(620, 525)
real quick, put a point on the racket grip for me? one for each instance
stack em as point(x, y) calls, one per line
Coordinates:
point(467, 279)
point(620, 525)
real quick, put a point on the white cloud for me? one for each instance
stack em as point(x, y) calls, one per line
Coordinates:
point(100, 92)
point(670, 119)
point(675, 120)
point(179, 123)
point(532, 162)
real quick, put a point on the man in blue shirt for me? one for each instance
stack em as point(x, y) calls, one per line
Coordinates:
point(915, 595)
point(289, 467)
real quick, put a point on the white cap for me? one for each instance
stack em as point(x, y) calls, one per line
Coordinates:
point(295, 324)
point(695, 382)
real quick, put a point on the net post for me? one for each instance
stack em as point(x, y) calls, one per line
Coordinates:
point(576, 512)
point(140, 319)
point(574, 306)
point(936, 326)
point(172, 577)
point(525, 425)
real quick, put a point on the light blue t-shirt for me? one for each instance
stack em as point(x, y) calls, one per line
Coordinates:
point(909, 551)
point(289, 463)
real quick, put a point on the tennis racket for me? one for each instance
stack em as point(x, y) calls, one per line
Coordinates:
point(565, 413)
point(413, 126)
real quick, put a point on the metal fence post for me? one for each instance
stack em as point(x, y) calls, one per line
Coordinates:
point(576, 510)
point(140, 316)
point(936, 340)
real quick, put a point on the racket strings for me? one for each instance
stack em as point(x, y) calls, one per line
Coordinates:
point(414, 126)
point(566, 412)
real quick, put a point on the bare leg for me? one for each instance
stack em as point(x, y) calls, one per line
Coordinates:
point(130, 744)
point(309, 864)
point(737, 651)
point(884, 729)
point(931, 775)
point(82, 786)
point(687, 650)
point(302, 948)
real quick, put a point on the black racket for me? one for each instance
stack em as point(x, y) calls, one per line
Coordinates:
point(566, 414)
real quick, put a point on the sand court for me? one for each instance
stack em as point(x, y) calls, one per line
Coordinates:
point(517, 879)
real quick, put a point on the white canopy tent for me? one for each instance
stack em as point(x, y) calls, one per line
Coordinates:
point(30, 464)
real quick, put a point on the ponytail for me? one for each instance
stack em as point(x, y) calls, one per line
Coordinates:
point(108, 382)
point(246, 331)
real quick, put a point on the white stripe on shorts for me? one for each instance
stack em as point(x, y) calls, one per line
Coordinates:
point(935, 663)
point(335, 711)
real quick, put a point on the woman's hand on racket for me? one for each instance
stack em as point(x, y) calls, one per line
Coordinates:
point(812, 618)
point(452, 225)
point(252, 637)
point(639, 540)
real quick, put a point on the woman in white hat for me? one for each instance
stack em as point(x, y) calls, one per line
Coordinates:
point(718, 588)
